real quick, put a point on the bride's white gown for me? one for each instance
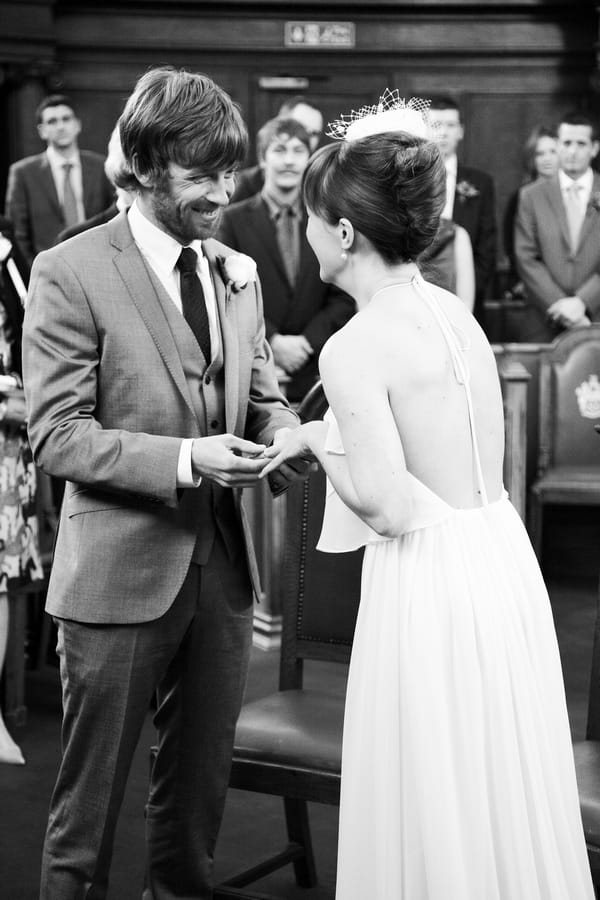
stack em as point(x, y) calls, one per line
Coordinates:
point(458, 780)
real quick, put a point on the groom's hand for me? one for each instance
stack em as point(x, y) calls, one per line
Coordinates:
point(228, 460)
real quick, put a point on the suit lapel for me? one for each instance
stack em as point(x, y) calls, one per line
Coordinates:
point(591, 222)
point(87, 177)
point(47, 183)
point(132, 269)
point(554, 196)
point(227, 313)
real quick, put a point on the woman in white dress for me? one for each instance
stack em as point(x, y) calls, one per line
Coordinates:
point(458, 779)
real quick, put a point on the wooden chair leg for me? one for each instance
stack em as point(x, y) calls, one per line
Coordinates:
point(298, 827)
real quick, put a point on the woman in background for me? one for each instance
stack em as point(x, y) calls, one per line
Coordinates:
point(540, 160)
point(19, 550)
point(448, 262)
point(458, 781)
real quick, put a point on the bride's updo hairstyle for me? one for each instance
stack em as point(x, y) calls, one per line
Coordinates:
point(390, 186)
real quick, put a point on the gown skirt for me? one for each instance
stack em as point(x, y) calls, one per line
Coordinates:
point(458, 779)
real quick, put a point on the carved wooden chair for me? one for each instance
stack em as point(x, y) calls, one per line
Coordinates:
point(587, 764)
point(569, 456)
point(289, 743)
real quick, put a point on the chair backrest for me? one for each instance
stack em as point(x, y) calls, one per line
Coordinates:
point(321, 591)
point(570, 400)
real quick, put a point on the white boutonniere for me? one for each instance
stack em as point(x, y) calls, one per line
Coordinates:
point(595, 201)
point(5, 248)
point(237, 270)
point(465, 190)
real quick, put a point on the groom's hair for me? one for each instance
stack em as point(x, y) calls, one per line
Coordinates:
point(181, 117)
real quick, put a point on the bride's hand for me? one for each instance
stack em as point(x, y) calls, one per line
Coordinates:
point(299, 443)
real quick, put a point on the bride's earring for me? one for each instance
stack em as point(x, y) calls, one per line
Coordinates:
point(343, 256)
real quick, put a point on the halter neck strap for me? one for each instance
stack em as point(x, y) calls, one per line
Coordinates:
point(461, 369)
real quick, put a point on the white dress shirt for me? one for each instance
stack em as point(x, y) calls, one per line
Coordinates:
point(161, 252)
point(451, 164)
point(57, 162)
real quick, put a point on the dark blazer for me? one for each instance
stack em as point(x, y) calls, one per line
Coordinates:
point(32, 202)
point(8, 295)
point(311, 308)
point(248, 182)
point(549, 268)
point(474, 209)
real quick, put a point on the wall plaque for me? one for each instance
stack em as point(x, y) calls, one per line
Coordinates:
point(320, 34)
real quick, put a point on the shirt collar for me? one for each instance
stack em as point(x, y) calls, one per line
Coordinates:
point(451, 163)
point(158, 246)
point(586, 180)
point(57, 160)
point(275, 206)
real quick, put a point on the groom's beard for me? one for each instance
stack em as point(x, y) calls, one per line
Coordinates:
point(186, 221)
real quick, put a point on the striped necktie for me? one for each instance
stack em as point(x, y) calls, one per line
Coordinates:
point(69, 206)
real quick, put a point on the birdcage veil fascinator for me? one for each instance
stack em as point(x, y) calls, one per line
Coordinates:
point(391, 113)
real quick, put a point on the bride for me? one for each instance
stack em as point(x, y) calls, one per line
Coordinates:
point(458, 779)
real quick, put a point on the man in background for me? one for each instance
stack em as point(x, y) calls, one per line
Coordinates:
point(58, 188)
point(118, 174)
point(301, 312)
point(557, 238)
point(470, 198)
point(250, 181)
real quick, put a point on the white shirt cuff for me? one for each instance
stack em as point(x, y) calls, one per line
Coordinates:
point(185, 476)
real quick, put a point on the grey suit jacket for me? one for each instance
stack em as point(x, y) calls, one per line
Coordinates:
point(546, 263)
point(108, 405)
point(32, 202)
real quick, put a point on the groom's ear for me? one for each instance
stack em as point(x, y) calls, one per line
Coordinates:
point(146, 179)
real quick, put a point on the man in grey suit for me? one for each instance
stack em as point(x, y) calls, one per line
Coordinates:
point(151, 389)
point(58, 188)
point(557, 238)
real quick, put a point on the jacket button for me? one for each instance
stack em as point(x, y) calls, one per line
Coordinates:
point(214, 424)
point(207, 379)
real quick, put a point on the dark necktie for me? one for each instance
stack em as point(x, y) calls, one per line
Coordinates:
point(70, 213)
point(192, 299)
point(287, 238)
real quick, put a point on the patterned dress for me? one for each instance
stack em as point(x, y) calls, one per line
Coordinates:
point(19, 545)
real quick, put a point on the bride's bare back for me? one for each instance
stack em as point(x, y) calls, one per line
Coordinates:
point(393, 354)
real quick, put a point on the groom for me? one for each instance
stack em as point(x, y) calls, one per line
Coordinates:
point(151, 390)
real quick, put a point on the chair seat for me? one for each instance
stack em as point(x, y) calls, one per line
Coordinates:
point(587, 765)
point(301, 729)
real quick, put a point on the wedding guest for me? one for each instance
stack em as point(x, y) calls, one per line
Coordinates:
point(250, 181)
point(19, 547)
point(458, 778)
point(301, 312)
point(540, 160)
point(556, 237)
point(117, 173)
point(154, 399)
point(448, 262)
point(58, 188)
point(470, 198)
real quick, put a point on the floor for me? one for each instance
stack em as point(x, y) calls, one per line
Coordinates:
point(253, 825)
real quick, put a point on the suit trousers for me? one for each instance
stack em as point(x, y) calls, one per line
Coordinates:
point(195, 657)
